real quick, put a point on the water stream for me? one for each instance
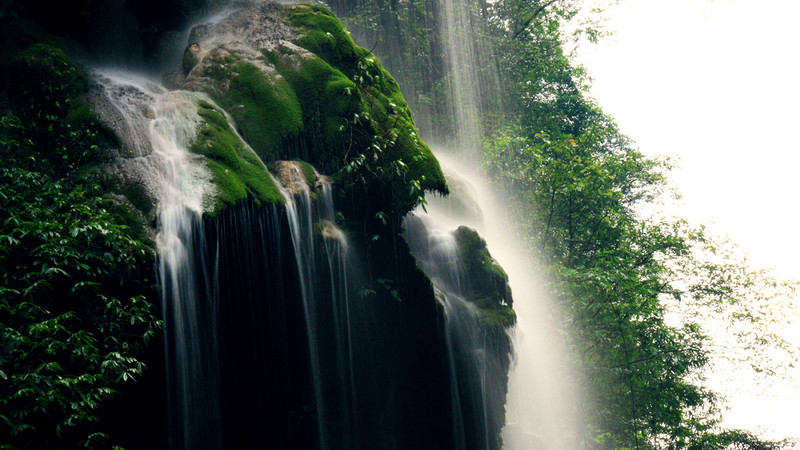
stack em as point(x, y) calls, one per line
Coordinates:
point(160, 125)
point(321, 253)
point(543, 404)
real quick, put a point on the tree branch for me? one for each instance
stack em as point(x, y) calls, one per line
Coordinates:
point(530, 20)
point(648, 358)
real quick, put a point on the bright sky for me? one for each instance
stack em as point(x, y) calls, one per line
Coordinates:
point(716, 84)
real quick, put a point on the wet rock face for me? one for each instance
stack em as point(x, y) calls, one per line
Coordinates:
point(292, 176)
point(487, 284)
point(228, 60)
point(243, 36)
point(246, 32)
point(126, 110)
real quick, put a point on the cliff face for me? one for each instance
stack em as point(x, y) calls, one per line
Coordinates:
point(320, 332)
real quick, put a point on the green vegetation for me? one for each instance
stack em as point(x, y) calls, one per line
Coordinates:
point(74, 307)
point(46, 86)
point(368, 124)
point(575, 184)
point(237, 171)
point(265, 108)
point(308, 171)
point(488, 282)
point(327, 98)
point(330, 103)
point(76, 283)
point(324, 35)
point(76, 280)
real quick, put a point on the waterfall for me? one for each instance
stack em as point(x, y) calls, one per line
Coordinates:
point(468, 357)
point(187, 296)
point(542, 407)
point(160, 125)
point(463, 84)
point(321, 254)
point(274, 335)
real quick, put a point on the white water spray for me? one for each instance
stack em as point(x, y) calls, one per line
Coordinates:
point(543, 406)
point(465, 92)
point(159, 126)
point(184, 185)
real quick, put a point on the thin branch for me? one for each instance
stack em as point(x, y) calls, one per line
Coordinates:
point(530, 20)
point(648, 358)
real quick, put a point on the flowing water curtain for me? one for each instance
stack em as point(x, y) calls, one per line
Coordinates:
point(477, 352)
point(440, 53)
point(325, 267)
point(542, 405)
point(158, 159)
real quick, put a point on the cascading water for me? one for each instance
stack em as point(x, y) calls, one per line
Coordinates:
point(181, 186)
point(469, 359)
point(463, 83)
point(191, 321)
point(541, 409)
point(543, 406)
point(197, 285)
point(321, 253)
point(274, 337)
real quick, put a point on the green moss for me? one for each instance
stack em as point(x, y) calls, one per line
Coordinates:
point(324, 35)
point(308, 172)
point(489, 279)
point(237, 172)
point(337, 101)
point(495, 317)
point(352, 106)
point(328, 99)
point(266, 109)
point(488, 282)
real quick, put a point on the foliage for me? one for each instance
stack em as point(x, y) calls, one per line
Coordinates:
point(75, 280)
point(47, 86)
point(577, 184)
point(633, 287)
point(73, 308)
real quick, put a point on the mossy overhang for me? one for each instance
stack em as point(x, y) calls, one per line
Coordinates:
point(237, 172)
point(310, 92)
point(488, 287)
point(368, 87)
point(262, 103)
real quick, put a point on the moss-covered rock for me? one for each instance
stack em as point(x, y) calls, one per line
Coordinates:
point(328, 99)
point(237, 172)
point(298, 86)
point(487, 282)
point(263, 105)
point(382, 128)
point(308, 171)
point(295, 176)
